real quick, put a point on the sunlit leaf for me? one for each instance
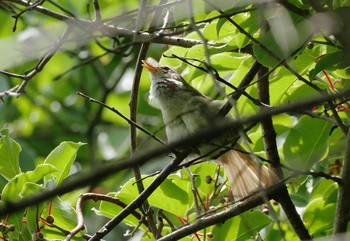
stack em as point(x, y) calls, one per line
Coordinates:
point(306, 143)
point(318, 217)
point(13, 190)
point(241, 227)
point(327, 61)
point(167, 196)
point(9, 155)
point(62, 158)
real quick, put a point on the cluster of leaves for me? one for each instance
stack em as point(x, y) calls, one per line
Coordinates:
point(30, 224)
point(306, 57)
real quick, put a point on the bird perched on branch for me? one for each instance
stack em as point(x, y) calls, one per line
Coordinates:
point(186, 111)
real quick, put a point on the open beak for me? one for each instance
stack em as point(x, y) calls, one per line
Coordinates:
point(151, 65)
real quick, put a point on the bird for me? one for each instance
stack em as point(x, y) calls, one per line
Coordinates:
point(186, 111)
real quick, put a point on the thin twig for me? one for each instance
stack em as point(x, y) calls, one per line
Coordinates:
point(122, 116)
point(218, 77)
point(31, 7)
point(194, 191)
point(40, 66)
point(98, 16)
point(267, 50)
point(95, 197)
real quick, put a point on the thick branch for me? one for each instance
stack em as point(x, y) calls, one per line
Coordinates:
point(269, 136)
point(342, 213)
point(141, 158)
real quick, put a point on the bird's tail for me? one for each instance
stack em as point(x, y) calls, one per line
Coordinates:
point(245, 174)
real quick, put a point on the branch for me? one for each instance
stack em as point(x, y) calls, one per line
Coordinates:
point(268, 51)
point(241, 207)
point(342, 213)
point(270, 145)
point(122, 116)
point(133, 111)
point(95, 197)
point(194, 140)
point(96, 176)
point(110, 30)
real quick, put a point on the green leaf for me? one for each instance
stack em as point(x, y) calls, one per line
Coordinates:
point(16, 187)
point(327, 60)
point(62, 158)
point(34, 212)
point(9, 155)
point(21, 232)
point(324, 189)
point(241, 227)
point(168, 196)
point(318, 217)
point(110, 210)
point(64, 215)
point(306, 143)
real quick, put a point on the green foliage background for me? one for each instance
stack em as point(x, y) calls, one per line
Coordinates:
point(50, 122)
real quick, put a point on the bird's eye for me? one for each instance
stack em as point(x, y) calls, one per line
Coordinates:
point(166, 68)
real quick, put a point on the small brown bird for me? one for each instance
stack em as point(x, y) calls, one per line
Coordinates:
point(186, 111)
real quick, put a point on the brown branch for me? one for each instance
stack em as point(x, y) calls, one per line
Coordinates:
point(240, 90)
point(240, 207)
point(95, 197)
point(98, 16)
point(342, 213)
point(133, 110)
point(110, 30)
point(270, 145)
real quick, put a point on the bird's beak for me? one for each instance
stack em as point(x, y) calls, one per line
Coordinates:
point(151, 65)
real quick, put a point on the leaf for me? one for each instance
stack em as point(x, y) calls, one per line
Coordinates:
point(65, 216)
point(324, 189)
point(9, 155)
point(62, 158)
point(14, 189)
point(219, 24)
point(168, 196)
point(21, 232)
point(319, 217)
point(110, 210)
point(306, 143)
point(241, 227)
point(33, 212)
point(327, 60)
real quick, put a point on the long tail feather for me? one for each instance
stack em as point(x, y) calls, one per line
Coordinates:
point(245, 174)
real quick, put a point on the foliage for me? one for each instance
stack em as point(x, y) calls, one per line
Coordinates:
point(58, 49)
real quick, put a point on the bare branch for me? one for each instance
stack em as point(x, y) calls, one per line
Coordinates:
point(343, 206)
